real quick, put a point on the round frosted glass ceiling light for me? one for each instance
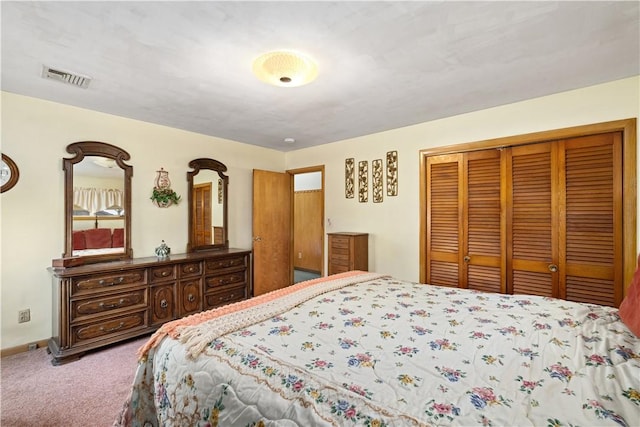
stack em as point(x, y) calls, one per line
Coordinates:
point(285, 68)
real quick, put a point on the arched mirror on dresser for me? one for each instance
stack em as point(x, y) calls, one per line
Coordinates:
point(207, 197)
point(97, 203)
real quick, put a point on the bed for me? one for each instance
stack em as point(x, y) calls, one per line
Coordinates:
point(365, 349)
point(98, 241)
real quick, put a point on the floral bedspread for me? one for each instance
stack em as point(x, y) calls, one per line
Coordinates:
point(386, 352)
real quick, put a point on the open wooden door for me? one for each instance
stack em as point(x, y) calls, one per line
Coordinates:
point(271, 231)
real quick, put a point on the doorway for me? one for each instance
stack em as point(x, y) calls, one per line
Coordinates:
point(308, 223)
point(283, 250)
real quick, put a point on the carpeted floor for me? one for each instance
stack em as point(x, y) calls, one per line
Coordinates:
point(301, 275)
point(88, 392)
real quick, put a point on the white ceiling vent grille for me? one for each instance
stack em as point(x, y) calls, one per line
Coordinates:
point(66, 77)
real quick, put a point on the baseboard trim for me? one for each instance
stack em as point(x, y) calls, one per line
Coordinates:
point(22, 348)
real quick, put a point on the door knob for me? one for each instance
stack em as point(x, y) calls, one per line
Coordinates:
point(553, 268)
point(467, 258)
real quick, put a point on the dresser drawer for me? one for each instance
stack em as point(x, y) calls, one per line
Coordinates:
point(190, 269)
point(225, 295)
point(113, 326)
point(339, 259)
point(108, 303)
point(86, 284)
point(225, 279)
point(340, 251)
point(335, 269)
point(340, 242)
point(213, 265)
point(162, 273)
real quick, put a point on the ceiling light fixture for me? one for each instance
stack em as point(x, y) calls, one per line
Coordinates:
point(105, 162)
point(289, 140)
point(285, 68)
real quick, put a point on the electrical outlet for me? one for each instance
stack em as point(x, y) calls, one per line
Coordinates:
point(24, 315)
point(299, 255)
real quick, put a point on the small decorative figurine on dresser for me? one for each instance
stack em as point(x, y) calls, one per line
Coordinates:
point(163, 250)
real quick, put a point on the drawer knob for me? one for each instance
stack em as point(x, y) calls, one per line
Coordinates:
point(164, 303)
point(165, 273)
point(191, 298)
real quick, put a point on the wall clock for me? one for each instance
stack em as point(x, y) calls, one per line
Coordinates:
point(8, 173)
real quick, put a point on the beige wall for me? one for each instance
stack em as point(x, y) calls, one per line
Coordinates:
point(35, 134)
point(394, 224)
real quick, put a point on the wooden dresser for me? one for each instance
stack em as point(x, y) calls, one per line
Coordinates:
point(100, 304)
point(348, 251)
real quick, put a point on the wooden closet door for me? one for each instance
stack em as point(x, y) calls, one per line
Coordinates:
point(565, 221)
point(444, 176)
point(591, 231)
point(532, 219)
point(465, 225)
point(483, 240)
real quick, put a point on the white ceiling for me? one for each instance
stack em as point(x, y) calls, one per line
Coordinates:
point(382, 65)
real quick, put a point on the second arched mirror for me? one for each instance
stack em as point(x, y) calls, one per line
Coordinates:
point(207, 196)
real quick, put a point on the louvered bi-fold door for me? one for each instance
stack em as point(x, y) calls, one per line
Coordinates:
point(533, 220)
point(483, 234)
point(465, 238)
point(565, 219)
point(591, 270)
point(444, 228)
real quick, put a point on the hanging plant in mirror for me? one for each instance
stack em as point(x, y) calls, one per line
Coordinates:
point(163, 196)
